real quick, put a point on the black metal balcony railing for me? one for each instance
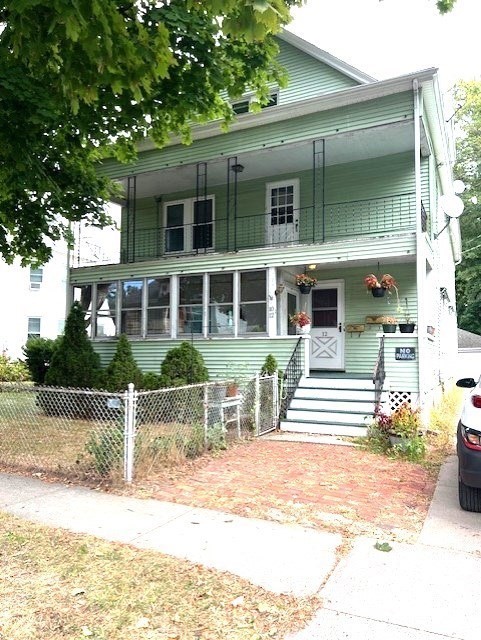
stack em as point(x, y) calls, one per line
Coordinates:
point(306, 225)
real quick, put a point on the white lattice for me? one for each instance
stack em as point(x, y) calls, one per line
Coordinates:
point(397, 398)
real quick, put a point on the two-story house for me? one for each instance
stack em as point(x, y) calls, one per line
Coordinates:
point(338, 176)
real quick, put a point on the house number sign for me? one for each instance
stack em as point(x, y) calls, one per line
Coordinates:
point(405, 353)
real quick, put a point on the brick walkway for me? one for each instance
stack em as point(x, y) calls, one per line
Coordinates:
point(336, 487)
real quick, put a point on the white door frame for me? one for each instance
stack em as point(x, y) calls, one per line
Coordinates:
point(289, 232)
point(328, 343)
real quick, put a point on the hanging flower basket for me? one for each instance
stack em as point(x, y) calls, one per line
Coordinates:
point(305, 282)
point(378, 287)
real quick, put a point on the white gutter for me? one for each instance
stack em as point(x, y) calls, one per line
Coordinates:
point(420, 249)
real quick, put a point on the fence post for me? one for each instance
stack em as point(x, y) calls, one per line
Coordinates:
point(257, 404)
point(130, 398)
point(206, 412)
point(275, 398)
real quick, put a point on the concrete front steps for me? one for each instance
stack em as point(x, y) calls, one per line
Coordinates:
point(341, 406)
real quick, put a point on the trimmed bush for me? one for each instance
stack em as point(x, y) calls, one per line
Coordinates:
point(122, 369)
point(38, 354)
point(270, 365)
point(74, 362)
point(12, 370)
point(183, 365)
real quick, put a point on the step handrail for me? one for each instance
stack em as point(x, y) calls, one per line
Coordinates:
point(291, 377)
point(379, 374)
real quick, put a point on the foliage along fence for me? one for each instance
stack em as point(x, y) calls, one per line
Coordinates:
point(98, 434)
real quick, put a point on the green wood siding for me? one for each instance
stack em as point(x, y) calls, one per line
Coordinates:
point(386, 110)
point(308, 77)
point(224, 359)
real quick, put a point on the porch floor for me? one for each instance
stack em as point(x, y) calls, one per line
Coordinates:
point(321, 373)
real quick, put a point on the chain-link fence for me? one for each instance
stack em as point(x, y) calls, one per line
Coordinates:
point(88, 433)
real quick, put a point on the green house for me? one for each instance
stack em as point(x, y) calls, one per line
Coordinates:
point(338, 177)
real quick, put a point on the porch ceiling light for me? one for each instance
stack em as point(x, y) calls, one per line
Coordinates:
point(237, 168)
point(311, 267)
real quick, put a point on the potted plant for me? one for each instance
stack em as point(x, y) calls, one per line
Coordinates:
point(301, 321)
point(378, 287)
point(407, 326)
point(305, 282)
point(405, 423)
point(389, 324)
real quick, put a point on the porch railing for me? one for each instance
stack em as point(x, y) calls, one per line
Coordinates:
point(292, 375)
point(305, 225)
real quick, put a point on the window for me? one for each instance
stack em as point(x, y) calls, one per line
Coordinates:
point(83, 294)
point(190, 304)
point(158, 306)
point(131, 307)
point(106, 307)
point(253, 307)
point(242, 106)
point(189, 225)
point(221, 309)
point(324, 307)
point(33, 328)
point(36, 278)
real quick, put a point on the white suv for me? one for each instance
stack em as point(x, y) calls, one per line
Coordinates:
point(469, 447)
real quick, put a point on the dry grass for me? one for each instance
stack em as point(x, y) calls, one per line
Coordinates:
point(62, 586)
point(442, 427)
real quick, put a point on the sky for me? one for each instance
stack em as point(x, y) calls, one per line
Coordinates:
point(387, 38)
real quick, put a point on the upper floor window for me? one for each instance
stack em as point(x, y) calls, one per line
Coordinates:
point(189, 225)
point(36, 278)
point(34, 328)
point(242, 106)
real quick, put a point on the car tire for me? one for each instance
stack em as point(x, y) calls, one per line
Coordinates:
point(469, 497)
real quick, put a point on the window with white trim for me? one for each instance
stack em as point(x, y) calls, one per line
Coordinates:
point(189, 225)
point(36, 278)
point(243, 106)
point(131, 307)
point(34, 325)
point(158, 306)
point(253, 302)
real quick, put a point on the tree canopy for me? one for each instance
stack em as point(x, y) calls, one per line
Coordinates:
point(468, 169)
point(79, 80)
point(86, 78)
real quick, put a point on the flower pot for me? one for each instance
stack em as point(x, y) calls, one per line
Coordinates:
point(389, 328)
point(305, 288)
point(378, 292)
point(302, 331)
point(406, 327)
point(232, 390)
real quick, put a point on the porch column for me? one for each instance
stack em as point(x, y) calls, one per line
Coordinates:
point(131, 211)
point(233, 168)
point(318, 189)
point(271, 302)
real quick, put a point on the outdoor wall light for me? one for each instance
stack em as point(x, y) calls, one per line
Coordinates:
point(237, 168)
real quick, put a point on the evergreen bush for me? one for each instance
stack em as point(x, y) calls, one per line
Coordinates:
point(74, 362)
point(183, 365)
point(122, 369)
point(38, 354)
point(270, 366)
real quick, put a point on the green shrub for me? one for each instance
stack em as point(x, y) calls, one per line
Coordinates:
point(122, 369)
point(38, 354)
point(74, 362)
point(107, 449)
point(13, 370)
point(270, 366)
point(183, 365)
point(151, 381)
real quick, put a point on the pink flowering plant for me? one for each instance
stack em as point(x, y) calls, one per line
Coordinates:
point(305, 279)
point(300, 319)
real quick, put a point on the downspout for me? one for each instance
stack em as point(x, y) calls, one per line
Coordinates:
point(420, 254)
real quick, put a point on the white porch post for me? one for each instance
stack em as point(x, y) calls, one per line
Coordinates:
point(271, 302)
point(307, 354)
point(174, 305)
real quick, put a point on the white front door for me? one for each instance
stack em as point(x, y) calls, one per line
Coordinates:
point(282, 212)
point(327, 328)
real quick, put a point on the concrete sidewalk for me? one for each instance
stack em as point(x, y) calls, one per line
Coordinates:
point(282, 559)
point(424, 591)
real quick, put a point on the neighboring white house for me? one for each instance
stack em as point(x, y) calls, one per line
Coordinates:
point(38, 295)
point(36, 301)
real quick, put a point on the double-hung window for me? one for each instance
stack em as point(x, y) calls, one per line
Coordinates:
point(189, 225)
point(36, 278)
point(33, 328)
point(131, 307)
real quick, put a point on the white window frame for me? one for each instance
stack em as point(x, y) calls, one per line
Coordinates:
point(251, 97)
point(34, 334)
point(188, 224)
point(36, 278)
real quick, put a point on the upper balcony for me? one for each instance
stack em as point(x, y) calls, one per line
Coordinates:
point(349, 186)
